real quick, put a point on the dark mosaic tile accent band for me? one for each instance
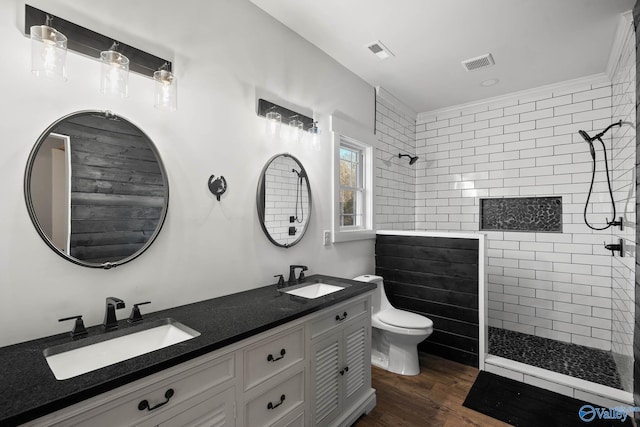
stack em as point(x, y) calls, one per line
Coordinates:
point(575, 360)
point(521, 214)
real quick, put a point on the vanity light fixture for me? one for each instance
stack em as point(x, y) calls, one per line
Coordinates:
point(117, 59)
point(166, 88)
point(114, 77)
point(48, 51)
point(297, 123)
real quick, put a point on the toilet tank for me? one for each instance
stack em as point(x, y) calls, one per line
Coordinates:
point(379, 297)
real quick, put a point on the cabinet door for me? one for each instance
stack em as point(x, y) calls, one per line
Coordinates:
point(357, 353)
point(325, 368)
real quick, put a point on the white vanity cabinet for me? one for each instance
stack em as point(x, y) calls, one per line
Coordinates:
point(341, 364)
point(313, 368)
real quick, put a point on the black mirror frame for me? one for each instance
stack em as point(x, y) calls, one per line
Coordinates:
point(260, 200)
point(31, 208)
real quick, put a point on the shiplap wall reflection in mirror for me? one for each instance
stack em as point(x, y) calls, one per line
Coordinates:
point(96, 189)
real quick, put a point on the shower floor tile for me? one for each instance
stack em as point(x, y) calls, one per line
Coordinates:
point(575, 360)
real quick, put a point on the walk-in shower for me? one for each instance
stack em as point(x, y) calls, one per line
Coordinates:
point(549, 350)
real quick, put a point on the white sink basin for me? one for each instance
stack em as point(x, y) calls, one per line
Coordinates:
point(314, 290)
point(68, 363)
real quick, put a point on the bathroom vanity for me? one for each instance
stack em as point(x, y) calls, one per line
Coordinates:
point(263, 358)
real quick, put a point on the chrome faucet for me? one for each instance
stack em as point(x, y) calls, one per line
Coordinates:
point(110, 320)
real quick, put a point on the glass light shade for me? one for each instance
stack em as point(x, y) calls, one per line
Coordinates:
point(314, 133)
point(274, 121)
point(166, 91)
point(48, 52)
point(296, 130)
point(315, 141)
point(114, 77)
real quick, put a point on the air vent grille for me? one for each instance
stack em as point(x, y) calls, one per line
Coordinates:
point(375, 48)
point(482, 61)
point(380, 50)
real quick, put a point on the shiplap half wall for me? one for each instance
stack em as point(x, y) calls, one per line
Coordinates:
point(436, 277)
point(555, 285)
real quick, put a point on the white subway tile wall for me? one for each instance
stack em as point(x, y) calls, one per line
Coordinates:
point(624, 157)
point(394, 177)
point(555, 285)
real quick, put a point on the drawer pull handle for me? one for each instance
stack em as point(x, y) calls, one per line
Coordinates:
point(145, 403)
point(346, 369)
point(270, 357)
point(340, 319)
point(272, 406)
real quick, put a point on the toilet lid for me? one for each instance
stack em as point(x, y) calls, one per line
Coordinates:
point(404, 319)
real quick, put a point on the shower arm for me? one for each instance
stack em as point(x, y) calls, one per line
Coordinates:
point(601, 134)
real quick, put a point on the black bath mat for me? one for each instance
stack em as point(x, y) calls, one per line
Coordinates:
point(524, 405)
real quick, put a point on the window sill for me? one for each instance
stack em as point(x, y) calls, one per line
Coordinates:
point(353, 235)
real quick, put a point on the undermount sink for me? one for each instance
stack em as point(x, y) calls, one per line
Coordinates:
point(73, 359)
point(313, 290)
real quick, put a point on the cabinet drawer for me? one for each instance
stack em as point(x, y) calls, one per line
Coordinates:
point(338, 316)
point(277, 402)
point(124, 410)
point(272, 356)
point(292, 420)
point(215, 411)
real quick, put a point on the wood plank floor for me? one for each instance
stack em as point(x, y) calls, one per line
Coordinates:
point(432, 399)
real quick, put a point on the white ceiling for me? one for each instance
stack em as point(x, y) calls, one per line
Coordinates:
point(533, 42)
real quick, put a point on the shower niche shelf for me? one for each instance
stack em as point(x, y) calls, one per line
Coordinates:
point(537, 214)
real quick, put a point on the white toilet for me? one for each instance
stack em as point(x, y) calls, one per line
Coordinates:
point(395, 333)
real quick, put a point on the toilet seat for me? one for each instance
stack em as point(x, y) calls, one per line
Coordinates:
point(404, 319)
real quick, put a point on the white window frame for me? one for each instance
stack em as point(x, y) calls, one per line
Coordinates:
point(359, 138)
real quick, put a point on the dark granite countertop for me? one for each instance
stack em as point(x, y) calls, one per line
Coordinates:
point(30, 390)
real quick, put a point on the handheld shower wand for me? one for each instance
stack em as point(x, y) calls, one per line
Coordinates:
point(590, 140)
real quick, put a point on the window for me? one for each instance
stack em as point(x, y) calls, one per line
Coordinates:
point(353, 182)
point(351, 208)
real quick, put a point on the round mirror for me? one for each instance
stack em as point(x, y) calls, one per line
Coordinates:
point(284, 200)
point(96, 189)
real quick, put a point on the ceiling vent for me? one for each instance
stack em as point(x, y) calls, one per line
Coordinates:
point(482, 61)
point(379, 50)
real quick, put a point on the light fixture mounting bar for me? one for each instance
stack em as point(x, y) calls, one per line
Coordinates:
point(88, 42)
point(265, 106)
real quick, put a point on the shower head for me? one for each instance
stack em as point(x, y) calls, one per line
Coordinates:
point(589, 139)
point(301, 174)
point(412, 159)
point(585, 136)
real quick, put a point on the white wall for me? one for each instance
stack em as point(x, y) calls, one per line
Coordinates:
point(227, 53)
point(556, 285)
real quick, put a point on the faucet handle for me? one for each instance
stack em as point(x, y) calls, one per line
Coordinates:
point(136, 316)
point(78, 330)
point(301, 276)
point(281, 283)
